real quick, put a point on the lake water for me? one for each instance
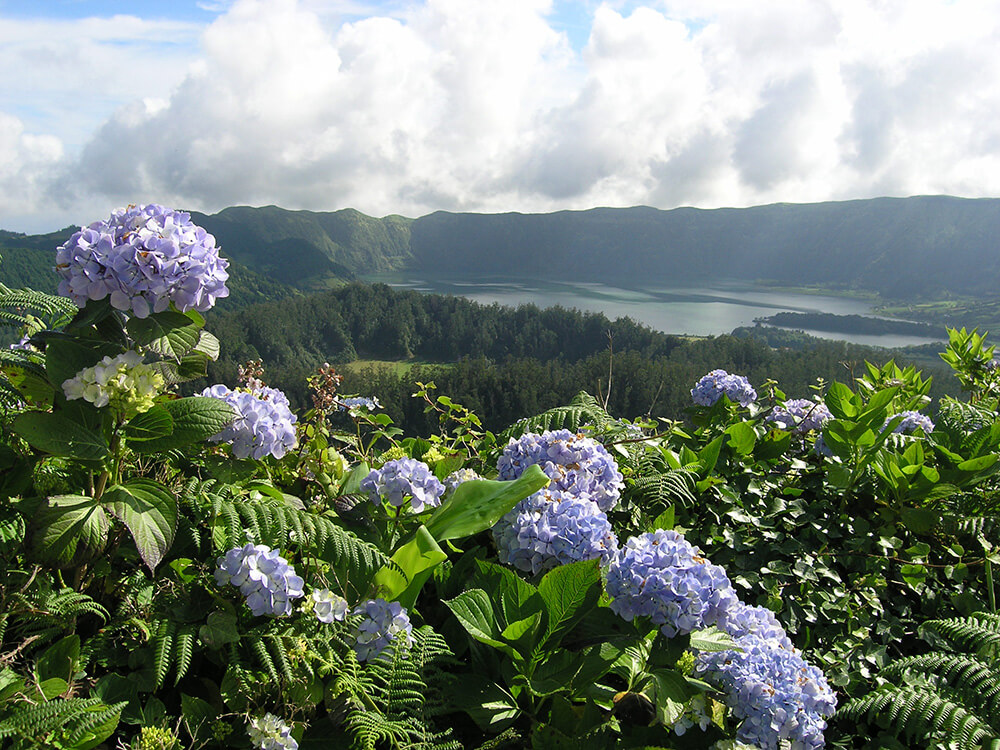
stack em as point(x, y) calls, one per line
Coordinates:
point(697, 311)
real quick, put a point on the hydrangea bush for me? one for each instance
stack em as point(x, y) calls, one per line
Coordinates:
point(718, 383)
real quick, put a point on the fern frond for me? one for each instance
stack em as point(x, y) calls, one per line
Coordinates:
point(58, 723)
point(920, 713)
point(582, 410)
point(184, 649)
point(978, 633)
point(163, 649)
point(973, 681)
point(670, 488)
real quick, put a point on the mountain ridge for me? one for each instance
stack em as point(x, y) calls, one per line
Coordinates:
point(916, 247)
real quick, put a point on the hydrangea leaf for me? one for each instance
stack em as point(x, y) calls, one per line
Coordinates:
point(149, 510)
point(741, 437)
point(219, 629)
point(65, 357)
point(842, 402)
point(478, 504)
point(69, 528)
point(712, 639)
point(474, 611)
point(168, 333)
point(672, 692)
point(151, 424)
point(489, 705)
point(569, 592)
point(196, 418)
point(53, 433)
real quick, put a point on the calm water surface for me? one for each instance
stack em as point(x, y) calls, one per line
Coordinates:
point(697, 311)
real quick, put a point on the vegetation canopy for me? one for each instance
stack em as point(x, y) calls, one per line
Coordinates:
point(206, 566)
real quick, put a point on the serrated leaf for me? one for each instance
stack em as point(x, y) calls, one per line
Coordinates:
point(569, 592)
point(712, 639)
point(169, 333)
point(474, 611)
point(55, 434)
point(841, 401)
point(149, 510)
point(196, 418)
point(208, 345)
point(65, 524)
point(151, 424)
point(742, 437)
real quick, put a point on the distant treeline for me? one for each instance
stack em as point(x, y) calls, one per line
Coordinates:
point(503, 362)
point(851, 324)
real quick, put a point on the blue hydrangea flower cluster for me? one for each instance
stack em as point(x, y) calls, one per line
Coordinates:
point(660, 575)
point(404, 479)
point(779, 698)
point(144, 258)
point(268, 732)
point(383, 623)
point(265, 425)
point(800, 415)
point(576, 464)
point(718, 383)
point(912, 421)
point(263, 576)
point(551, 528)
point(328, 606)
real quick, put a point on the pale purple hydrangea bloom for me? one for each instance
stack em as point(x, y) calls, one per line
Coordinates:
point(800, 415)
point(383, 623)
point(660, 575)
point(551, 528)
point(576, 464)
point(912, 420)
point(263, 576)
point(23, 344)
point(328, 606)
point(718, 383)
point(357, 402)
point(777, 696)
point(143, 258)
point(265, 425)
point(401, 480)
point(268, 732)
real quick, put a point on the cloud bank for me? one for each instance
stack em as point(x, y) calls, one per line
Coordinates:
point(487, 106)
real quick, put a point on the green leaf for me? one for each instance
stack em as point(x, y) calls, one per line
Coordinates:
point(417, 559)
point(709, 456)
point(195, 419)
point(742, 437)
point(168, 333)
point(979, 464)
point(59, 660)
point(555, 673)
point(149, 510)
point(489, 705)
point(68, 527)
point(219, 629)
point(569, 592)
point(59, 436)
point(914, 575)
point(12, 530)
point(65, 357)
point(208, 345)
point(474, 611)
point(478, 504)
point(919, 520)
point(712, 639)
point(154, 423)
point(841, 401)
point(672, 692)
point(199, 716)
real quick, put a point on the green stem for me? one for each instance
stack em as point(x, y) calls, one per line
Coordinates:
point(989, 587)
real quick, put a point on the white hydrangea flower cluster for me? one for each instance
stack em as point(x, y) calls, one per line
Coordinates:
point(328, 606)
point(123, 382)
point(268, 732)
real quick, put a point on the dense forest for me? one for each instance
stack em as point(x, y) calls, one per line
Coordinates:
point(500, 361)
point(863, 324)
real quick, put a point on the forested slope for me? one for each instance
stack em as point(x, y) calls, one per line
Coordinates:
point(502, 362)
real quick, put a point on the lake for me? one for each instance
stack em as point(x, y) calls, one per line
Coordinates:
point(696, 311)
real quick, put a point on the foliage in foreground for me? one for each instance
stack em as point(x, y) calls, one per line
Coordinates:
point(214, 571)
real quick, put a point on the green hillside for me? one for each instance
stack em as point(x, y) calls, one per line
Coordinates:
point(903, 249)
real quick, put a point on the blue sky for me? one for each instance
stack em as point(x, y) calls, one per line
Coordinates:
point(410, 106)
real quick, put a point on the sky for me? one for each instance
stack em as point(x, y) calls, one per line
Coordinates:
point(409, 107)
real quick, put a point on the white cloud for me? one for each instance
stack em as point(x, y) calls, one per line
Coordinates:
point(410, 107)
